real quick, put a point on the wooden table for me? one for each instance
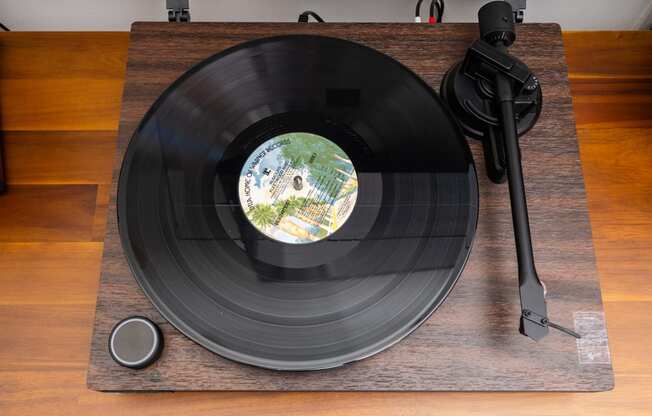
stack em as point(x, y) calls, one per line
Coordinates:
point(59, 109)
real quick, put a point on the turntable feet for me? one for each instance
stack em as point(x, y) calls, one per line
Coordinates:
point(135, 342)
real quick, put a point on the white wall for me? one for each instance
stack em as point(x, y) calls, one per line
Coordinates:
point(118, 14)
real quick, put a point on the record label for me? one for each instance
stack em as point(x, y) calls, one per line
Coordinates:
point(298, 188)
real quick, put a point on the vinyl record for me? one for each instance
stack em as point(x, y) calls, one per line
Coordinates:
point(297, 202)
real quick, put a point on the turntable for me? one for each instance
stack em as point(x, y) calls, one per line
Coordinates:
point(296, 207)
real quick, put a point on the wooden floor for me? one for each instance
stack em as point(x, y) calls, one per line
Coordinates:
point(59, 109)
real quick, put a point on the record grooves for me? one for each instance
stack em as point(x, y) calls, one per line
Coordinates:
point(374, 213)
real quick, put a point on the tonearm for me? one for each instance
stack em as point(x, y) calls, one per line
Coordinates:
point(496, 98)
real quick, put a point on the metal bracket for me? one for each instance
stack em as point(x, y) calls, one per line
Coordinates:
point(518, 6)
point(178, 10)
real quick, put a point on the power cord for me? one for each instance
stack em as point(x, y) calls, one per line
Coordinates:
point(5, 28)
point(439, 5)
point(305, 16)
point(417, 12)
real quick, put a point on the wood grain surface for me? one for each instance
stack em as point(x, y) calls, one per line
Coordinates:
point(49, 285)
point(472, 341)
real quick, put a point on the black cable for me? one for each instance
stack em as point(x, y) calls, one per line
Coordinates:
point(417, 12)
point(436, 17)
point(305, 16)
point(5, 28)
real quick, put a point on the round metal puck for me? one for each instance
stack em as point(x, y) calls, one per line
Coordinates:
point(135, 342)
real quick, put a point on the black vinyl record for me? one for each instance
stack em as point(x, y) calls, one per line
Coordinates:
point(373, 213)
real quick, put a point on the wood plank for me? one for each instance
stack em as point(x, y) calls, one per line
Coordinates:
point(609, 54)
point(101, 212)
point(66, 81)
point(52, 157)
point(48, 337)
point(622, 103)
point(60, 104)
point(612, 72)
point(76, 55)
point(616, 162)
point(634, 337)
point(47, 213)
point(621, 173)
point(49, 273)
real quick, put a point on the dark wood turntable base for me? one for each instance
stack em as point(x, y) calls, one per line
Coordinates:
point(472, 341)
